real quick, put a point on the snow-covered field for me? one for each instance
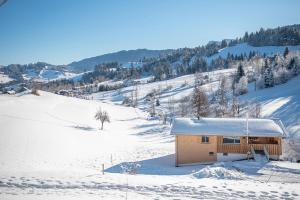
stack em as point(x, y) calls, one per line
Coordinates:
point(51, 148)
point(4, 78)
point(47, 74)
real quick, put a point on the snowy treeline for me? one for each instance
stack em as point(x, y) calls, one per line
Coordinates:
point(224, 100)
point(279, 69)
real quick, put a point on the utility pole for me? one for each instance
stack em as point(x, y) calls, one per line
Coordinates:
point(247, 127)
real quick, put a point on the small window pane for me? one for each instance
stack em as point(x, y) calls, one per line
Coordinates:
point(231, 140)
point(205, 139)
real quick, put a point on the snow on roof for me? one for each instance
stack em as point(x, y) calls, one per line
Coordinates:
point(226, 126)
point(11, 92)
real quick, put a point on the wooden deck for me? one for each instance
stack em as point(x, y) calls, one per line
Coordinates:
point(243, 147)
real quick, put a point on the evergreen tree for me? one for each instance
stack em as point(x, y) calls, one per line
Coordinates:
point(268, 77)
point(291, 64)
point(286, 52)
point(223, 44)
point(240, 73)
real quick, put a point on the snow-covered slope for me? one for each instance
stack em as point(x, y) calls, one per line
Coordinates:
point(126, 58)
point(245, 48)
point(51, 132)
point(46, 74)
point(51, 148)
point(4, 78)
point(176, 88)
point(282, 101)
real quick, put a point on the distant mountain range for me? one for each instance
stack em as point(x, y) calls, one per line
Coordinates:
point(268, 42)
point(122, 57)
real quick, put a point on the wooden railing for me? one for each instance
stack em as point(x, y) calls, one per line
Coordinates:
point(266, 153)
point(273, 149)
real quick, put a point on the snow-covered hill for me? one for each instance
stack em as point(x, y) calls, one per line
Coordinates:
point(176, 88)
point(245, 48)
point(282, 101)
point(4, 78)
point(132, 58)
point(51, 148)
point(126, 58)
point(46, 75)
point(40, 71)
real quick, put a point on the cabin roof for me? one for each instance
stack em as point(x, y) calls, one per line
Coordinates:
point(227, 127)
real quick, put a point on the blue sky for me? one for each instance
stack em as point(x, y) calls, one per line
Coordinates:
point(62, 31)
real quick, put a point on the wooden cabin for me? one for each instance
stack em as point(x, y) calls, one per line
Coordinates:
point(226, 139)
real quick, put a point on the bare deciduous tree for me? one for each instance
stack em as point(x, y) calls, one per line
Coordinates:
point(34, 89)
point(200, 103)
point(163, 117)
point(102, 116)
point(222, 98)
point(134, 96)
point(171, 108)
point(199, 79)
point(184, 104)
point(256, 111)
point(235, 107)
point(152, 110)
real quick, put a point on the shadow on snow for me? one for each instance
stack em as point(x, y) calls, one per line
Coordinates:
point(165, 165)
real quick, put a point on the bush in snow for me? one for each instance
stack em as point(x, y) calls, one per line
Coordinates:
point(127, 101)
point(163, 117)
point(198, 79)
point(260, 82)
point(169, 87)
point(35, 91)
point(184, 105)
point(152, 110)
point(130, 167)
point(157, 102)
point(102, 116)
point(242, 86)
point(282, 75)
point(294, 66)
point(184, 84)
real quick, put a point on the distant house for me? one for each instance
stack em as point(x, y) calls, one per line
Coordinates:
point(13, 89)
point(223, 139)
point(64, 92)
point(11, 92)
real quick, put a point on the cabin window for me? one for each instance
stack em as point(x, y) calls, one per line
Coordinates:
point(205, 139)
point(231, 140)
